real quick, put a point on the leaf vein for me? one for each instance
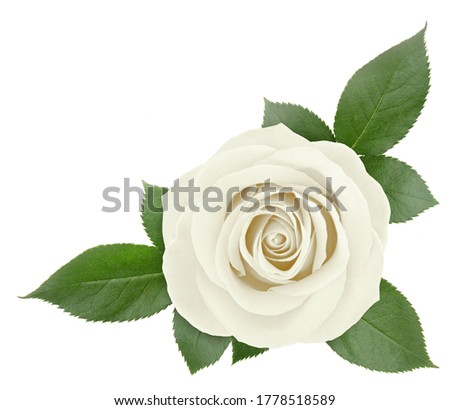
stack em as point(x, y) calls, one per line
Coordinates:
point(383, 95)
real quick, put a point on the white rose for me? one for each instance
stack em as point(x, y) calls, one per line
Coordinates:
point(273, 278)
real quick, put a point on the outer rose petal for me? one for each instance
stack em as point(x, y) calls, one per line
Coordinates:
point(171, 215)
point(272, 331)
point(361, 291)
point(278, 137)
point(180, 268)
point(348, 160)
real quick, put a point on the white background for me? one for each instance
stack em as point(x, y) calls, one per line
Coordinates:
point(95, 91)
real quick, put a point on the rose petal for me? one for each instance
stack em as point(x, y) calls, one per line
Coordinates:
point(352, 165)
point(271, 331)
point(180, 269)
point(277, 137)
point(360, 293)
point(206, 226)
point(335, 266)
point(356, 218)
point(171, 215)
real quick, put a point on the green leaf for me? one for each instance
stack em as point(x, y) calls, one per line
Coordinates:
point(383, 99)
point(152, 213)
point(243, 351)
point(407, 192)
point(388, 338)
point(109, 283)
point(299, 119)
point(198, 349)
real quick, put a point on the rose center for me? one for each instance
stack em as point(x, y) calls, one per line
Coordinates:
point(278, 239)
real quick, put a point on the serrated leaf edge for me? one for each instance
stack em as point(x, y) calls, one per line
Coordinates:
point(422, 33)
point(142, 205)
point(31, 296)
point(93, 320)
point(422, 338)
point(436, 202)
point(331, 133)
point(245, 358)
point(193, 371)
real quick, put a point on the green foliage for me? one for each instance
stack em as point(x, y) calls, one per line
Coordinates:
point(383, 99)
point(377, 108)
point(407, 192)
point(299, 119)
point(388, 338)
point(242, 351)
point(109, 283)
point(198, 349)
point(152, 214)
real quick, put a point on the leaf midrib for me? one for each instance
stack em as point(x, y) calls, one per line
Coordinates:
point(407, 194)
point(96, 282)
point(394, 341)
point(375, 110)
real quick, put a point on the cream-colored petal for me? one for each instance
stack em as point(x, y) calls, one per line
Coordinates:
point(335, 266)
point(231, 161)
point(278, 136)
point(171, 215)
point(180, 269)
point(320, 238)
point(356, 218)
point(256, 301)
point(352, 165)
point(272, 331)
point(247, 227)
point(360, 293)
point(231, 236)
point(206, 226)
